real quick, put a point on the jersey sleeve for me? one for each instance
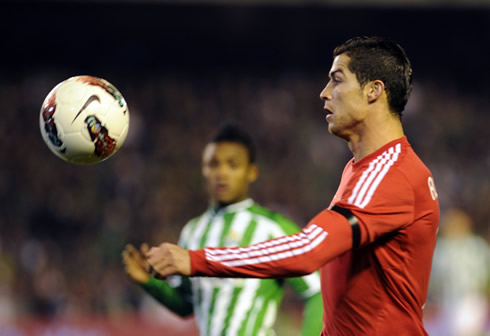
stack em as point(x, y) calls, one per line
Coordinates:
point(174, 294)
point(326, 236)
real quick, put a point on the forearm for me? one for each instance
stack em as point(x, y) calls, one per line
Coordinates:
point(327, 236)
point(312, 316)
point(170, 297)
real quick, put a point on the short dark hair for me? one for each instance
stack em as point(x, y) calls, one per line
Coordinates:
point(232, 132)
point(376, 58)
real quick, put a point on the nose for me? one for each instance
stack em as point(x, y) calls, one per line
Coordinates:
point(326, 93)
point(222, 171)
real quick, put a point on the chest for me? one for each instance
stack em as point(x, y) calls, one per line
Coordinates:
point(229, 230)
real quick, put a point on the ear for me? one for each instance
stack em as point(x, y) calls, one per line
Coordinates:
point(375, 90)
point(253, 173)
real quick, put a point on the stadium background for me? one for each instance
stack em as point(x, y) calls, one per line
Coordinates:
point(183, 67)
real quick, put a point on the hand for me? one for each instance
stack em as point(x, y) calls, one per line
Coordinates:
point(169, 259)
point(135, 263)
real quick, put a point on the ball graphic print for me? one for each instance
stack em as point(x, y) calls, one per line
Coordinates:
point(84, 120)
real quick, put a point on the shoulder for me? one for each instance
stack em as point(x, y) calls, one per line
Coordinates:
point(274, 219)
point(411, 166)
point(390, 175)
point(190, 226)
point(412, 174)
point(193, 221)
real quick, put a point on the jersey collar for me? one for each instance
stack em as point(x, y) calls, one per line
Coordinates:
point(247, 203)
point(368, 158)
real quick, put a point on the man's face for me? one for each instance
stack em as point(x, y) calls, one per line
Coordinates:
point(228, 172)
point(344, 100)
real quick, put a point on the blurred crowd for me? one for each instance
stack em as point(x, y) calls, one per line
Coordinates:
point(63, 227)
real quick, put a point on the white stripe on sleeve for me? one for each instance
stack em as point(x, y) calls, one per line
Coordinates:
point(274, 250)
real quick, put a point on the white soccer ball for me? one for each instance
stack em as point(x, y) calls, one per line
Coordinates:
point(84, 120)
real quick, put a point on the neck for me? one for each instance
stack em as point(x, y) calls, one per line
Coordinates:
point(220, 204)
point(374, 136)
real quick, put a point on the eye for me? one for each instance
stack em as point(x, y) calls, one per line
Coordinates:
point(336, 77)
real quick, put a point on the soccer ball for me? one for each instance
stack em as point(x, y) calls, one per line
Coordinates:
point(84, 120)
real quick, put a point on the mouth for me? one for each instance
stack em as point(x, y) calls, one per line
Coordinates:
point(329, 113)
point(221, 188)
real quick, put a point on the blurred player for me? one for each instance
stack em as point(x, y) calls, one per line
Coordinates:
point(230, 306)
point(460, 281)
point(374, 243)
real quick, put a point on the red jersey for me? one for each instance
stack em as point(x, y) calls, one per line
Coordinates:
point(377, 287)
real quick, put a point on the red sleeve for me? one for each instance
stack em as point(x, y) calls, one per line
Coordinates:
point(325, 237)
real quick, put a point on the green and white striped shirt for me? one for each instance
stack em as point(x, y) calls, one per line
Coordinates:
point(238, 306)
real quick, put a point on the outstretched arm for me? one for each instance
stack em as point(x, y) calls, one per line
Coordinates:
point(176, 298)
point(328, 235)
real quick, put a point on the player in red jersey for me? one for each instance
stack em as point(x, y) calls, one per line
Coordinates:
point(374, 243)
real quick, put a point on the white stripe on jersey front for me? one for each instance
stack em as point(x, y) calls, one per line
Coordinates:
point(263, 231)
point(238, 225)
point(259, 301)
point(377, 169)
point(269, 318)
point(243, 305)
point(215, 232)
point(221, 305)
point(205, 286)
point(195, 236)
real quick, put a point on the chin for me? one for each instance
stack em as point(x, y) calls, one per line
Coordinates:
point(225, 200)
point(340, 133)
point(332, 129)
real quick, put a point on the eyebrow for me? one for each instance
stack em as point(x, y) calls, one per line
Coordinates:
point(334, 72)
